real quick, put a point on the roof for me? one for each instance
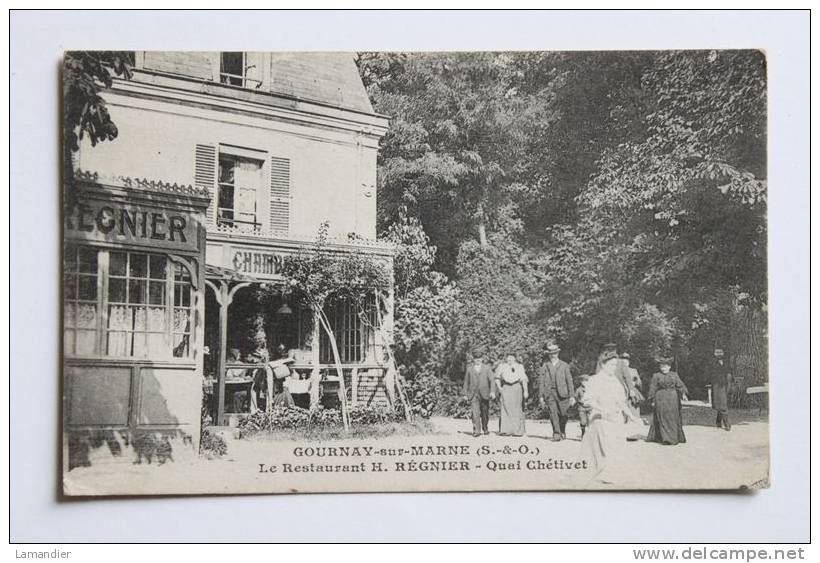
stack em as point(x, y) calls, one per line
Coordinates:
point(218, 272)
point(329, 78)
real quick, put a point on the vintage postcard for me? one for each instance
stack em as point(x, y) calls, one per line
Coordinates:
point(376, 271)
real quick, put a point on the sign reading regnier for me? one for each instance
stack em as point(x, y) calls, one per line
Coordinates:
point(132, 224)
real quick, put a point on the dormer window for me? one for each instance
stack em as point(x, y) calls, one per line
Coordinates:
point(238, 69)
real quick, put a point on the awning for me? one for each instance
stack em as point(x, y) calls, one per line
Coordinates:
point(220, 273)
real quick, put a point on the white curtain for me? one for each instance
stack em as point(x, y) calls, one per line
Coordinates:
point(137, 331)
point(247, 183)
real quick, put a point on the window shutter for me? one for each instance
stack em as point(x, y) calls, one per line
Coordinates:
point(279, 194)
point(205, 176)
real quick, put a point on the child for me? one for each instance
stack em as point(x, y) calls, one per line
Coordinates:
point(583, 412)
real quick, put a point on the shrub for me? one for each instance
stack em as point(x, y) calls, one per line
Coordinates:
point(367, 414)
point(425, 302)
point(278, 418)
point(423, 393)
point(212, 444)
point(325, 418)
point(501, 292)
point(455, 406)
point(296, 418)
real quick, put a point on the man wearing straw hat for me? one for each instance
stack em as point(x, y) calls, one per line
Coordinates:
point(556, 391)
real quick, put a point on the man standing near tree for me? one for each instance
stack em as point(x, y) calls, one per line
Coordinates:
point(556, 390)
point(721, 379)
point(478, 388)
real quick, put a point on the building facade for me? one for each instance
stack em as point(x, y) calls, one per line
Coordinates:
point(225, 164)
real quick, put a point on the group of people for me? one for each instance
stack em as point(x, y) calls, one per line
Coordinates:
point(607, 402)
point(273, 383)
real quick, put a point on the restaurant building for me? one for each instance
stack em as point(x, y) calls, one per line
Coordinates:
point(225, 164)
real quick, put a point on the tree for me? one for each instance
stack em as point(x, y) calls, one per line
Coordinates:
point(449, 155)
point(319, 275)
point(426, 303)
point(583, 196)
point(85, 114)
point(675, 213)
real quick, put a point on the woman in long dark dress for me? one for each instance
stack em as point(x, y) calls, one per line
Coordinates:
point(665, 393)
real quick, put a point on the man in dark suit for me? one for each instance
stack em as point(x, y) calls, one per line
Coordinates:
point(556, 390)
point(478, 388)
point(721, 379)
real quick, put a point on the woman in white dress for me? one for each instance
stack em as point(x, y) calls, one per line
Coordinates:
point(511, 383)
point(605, 438)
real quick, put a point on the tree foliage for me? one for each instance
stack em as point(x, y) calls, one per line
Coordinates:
point(426, 303)
point(457, 132)
point(85, 75)
point(321, 274)
point(85, 114)
point(588, 197)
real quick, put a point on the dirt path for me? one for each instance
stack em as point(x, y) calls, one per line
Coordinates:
point(710, 459)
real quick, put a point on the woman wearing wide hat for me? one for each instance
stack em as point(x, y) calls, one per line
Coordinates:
point(665, 394)
point(605, 438)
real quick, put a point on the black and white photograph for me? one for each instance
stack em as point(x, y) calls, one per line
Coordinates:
point(448, 276)
point(414, 271)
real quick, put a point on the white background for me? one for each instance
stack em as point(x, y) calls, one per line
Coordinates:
point(37, 40)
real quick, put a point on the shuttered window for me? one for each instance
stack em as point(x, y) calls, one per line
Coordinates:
point(205, 175)
point(279, 194)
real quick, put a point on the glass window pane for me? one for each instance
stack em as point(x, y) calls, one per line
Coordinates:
point(119, 317)
point(70, 258)
point(226, 197)
point(88, 259)
point(69, 314)
point(139, 318)
point(68, 341)
point(69, 287)
point(116, 290)
point(86, 342)
point(139, 346)
point(119, 343)
point(181, 345)
point(138, 265)
point(181, 273)
point(88, 288)
point(226, 167)
point(157, 319)
point(86, 315)
point(158, 267)
point(156, 347)
point(182, 295)
point(136, 291)
point(231, 62)
point(182, 318)
point(117, 262)
point(156, 293)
